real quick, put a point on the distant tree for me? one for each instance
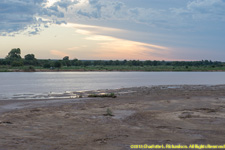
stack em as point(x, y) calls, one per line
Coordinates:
point(87, 63)
point(2, 62)
point(29, 57)
point(168, 63)
point(73, 62)
point(66, 61)
point(79, 63)
point(110, 62)
point(13, 58)
point(57, 64)
point(129, 63)
point(124, 62)
point(97, 62)
point(148, 63)
point(6, 62)
point(47, 65)
point(155, 63)
point(66, 58)
point(17, 63)
point(76, 62)
point(117, 62)
point(14, 54)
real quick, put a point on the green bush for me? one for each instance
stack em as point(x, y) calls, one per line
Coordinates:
point(103, 95)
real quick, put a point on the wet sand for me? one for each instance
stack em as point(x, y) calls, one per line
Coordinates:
point(141, 115)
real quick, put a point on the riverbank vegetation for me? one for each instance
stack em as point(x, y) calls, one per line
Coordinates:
point(14, 62)
point(112, 95)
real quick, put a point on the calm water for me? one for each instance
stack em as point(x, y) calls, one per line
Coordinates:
point(17, 84)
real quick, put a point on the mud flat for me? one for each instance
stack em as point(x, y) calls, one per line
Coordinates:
point(141, 115)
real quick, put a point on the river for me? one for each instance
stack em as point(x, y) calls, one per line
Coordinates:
point(20, 84)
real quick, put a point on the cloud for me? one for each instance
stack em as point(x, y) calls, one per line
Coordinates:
point(73, 48)
point(116, 10)
point(181, 18)
point(91, 29)
point(65, 3)
point(19, 15)
point(202, 10)
point(36, 31)
point(113, 48)
point(207, 9)
point(16, 15)
point(100, 9)
point(109, 47)
point(176, 17)
point(60, 54)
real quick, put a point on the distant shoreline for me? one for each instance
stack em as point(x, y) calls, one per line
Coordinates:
point(111, 70)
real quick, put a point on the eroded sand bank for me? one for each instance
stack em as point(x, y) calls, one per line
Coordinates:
point(143, 115)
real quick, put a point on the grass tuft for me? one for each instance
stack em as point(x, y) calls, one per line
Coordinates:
point(109, 112)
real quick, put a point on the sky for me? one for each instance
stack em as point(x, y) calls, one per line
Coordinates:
point(184, 30)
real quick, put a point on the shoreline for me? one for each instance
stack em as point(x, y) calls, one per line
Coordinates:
point(83, 70)
point(74, 96)
point(171, 114)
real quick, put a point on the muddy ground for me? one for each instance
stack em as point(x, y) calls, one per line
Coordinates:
point(144, 115)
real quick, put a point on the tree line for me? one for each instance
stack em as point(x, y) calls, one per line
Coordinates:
point(14, 59)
